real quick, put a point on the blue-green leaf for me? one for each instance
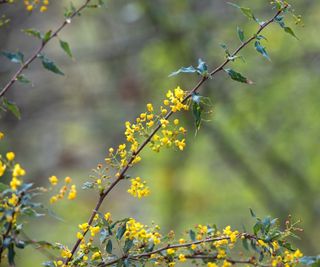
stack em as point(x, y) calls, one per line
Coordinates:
point(240, 34)
point(50, 65)
point(237, 76)
point(14, 57)
point(66, 48)
point(261, 50)
point(46, 36)
point(109, 246)
point(189, 69)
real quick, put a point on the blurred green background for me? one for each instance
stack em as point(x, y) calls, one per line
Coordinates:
point(260, 148)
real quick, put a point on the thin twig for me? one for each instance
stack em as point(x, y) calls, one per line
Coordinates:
point(25, 64)
point(148, 139)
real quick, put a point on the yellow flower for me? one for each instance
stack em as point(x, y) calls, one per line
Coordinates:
point(171, 264)
point(212, 264)
point(193, 246)
point(29, 7)
point(107, 216)
point(15, 182)
point(79, 235)
point(66, 253)
point(67, 180)
point(138, 188)
point(298, 254)
point(43, 9)
point(10, 156)
point(84, 227)
point(226, 264)
point(2, 168)
point(94, 230)
point(1, 135)
point(176, 122)
point(18, 171)
point(181, 241)
point(170, 251)
point(149, 107)
point(53, 180)
point(182, 257)
point(72, 192)
point(221, 254)
point(96, 255)
point(13, 200)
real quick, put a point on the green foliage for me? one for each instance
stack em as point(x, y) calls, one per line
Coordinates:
point(12, 107)
point(49, 64)
point(17, 57)
point(201, 69)
point(66, 48)
point(237, 76)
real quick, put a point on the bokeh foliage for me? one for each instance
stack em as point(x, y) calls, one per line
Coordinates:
point(260, 148)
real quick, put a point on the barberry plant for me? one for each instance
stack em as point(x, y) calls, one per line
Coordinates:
point(107, 241)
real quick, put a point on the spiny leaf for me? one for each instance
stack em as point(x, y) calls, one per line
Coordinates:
point(66, 48)
point(240, 34)
point(261, 50)
point(13, 57)
point(12, 107)
point(50, 65)
point(237, 76)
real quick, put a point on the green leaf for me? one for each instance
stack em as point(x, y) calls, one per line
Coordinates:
point(109, 246)
point(121, 230)
point(240, 34)
point(192, 235)
point(128, 245)
point(237, 76)
point(291, 32)
point(196, 110)
point(14, 57)
point(22, 78)
point(66, 48)
point(33, 32)
point(252, 213)
point(50, 65)
point(11, 254)
point(12, 107)
point(46, 37)
point(261, 50)
point(245, 10)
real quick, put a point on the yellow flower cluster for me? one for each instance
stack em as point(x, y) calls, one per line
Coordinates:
point(32, 4)
point(288, 259)
point(138, 188)
point(63, 190)
point(142, 233)
point(17, 172)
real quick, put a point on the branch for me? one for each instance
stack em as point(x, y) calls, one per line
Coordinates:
point(40, 48)
point(148, 139)
point(185, 245)
point(4, 2)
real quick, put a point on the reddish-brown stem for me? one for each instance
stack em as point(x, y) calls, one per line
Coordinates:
point(25, 64)
point(148, 139)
